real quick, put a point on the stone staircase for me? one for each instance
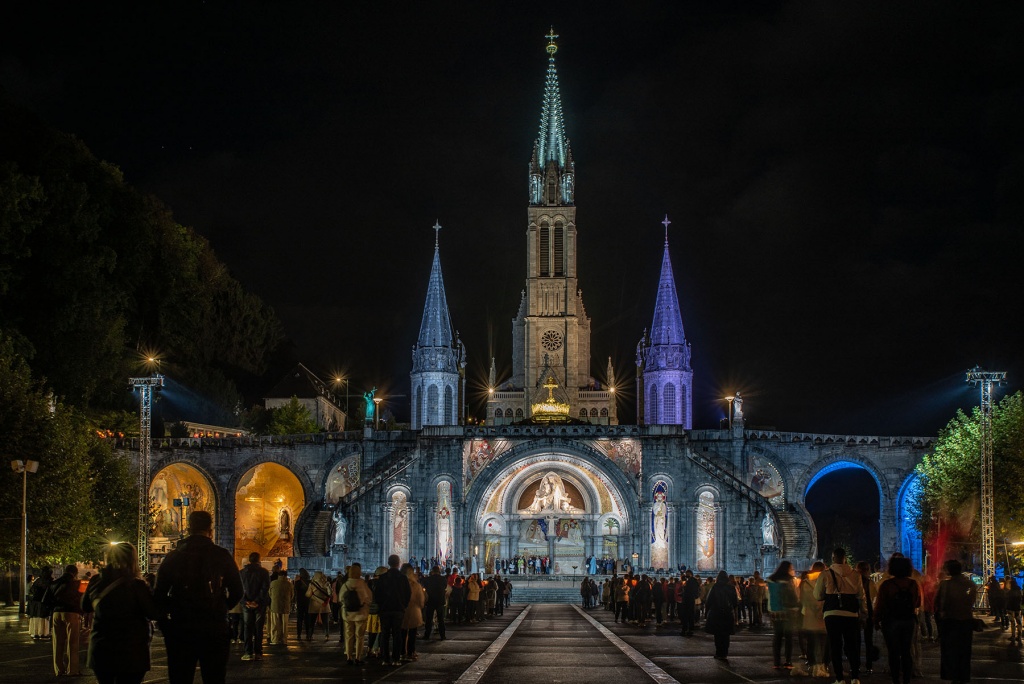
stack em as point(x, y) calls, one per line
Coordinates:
point(312, 536)
point(539, 594)
point(798, 539)
point(384, 470)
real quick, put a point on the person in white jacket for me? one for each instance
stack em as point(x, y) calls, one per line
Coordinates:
point(355, 620)
point(840, 588)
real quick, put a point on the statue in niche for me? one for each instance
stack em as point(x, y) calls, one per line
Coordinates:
point(285, 524)
point(660, 515)
point(340, 527)
point(551, 496)
point(769, 534)
point(368, 398)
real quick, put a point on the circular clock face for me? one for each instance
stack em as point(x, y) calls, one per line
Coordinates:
point(551, 340)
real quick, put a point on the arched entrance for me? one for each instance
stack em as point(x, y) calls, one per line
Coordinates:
point(268, 500)
point(555, 508)
point(844, 500)
point(176, 491)
point(911, 544)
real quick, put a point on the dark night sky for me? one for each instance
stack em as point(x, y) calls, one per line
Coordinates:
point(845, 180)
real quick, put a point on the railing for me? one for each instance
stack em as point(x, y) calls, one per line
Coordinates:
point(243, 441)
point(848, 440)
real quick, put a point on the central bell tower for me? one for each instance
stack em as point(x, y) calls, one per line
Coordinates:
point(551, 331)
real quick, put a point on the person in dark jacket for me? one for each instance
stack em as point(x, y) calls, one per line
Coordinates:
point(196, 585)
point(123, 607)
point(436, 586)
point(954, 612)
point(391, 593)
point(302, 606)
point(721, 614)
point(65, 601)
point(255, 601)
point(39, 614)
point(1013, 601)
point(895, 612)
point(688, 594)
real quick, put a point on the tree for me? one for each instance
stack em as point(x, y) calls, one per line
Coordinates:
point(292, 419)
point(948, 506)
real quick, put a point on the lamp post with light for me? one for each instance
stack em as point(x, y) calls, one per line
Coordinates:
point(24, 467)
point(730, 400)
point(376, 412)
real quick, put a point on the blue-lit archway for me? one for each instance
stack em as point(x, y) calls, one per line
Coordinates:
point(845, 500)
point(911, 543)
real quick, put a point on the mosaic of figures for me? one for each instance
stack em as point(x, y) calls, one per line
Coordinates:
point(659, 526)
point(344, 479)
point(707, 554)
point(186, 485)
point(443, 552)
point(764, 478)
point(625, 453)
point(400, 525)
point(477, 453)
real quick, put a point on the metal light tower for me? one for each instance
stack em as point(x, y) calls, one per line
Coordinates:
point(985, 380)
point(145, 386)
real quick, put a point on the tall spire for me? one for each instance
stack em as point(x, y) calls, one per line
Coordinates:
point(667, 327)
point(551, 166)
point(436, 327)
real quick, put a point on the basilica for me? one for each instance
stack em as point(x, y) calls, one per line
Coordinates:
point(551, 474)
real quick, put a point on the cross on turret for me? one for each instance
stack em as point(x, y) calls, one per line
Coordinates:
point(666, 223)
point(437, 231)
point(552, 48)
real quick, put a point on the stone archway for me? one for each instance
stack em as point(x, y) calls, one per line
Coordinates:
point(176, 490)
point(565, 528)
point(838, 498)
point(268, 500)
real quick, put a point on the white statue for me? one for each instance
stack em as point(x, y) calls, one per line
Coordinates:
point(340, 527)
point(768, 531)
point(737, 409)
point(551, 496)
point(660, 514)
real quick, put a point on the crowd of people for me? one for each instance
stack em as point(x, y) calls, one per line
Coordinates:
point(202, 604)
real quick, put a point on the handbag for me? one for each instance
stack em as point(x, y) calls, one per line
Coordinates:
point(846, 602)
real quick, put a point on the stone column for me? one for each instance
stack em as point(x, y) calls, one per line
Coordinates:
point(387, 530)
point(411, 550)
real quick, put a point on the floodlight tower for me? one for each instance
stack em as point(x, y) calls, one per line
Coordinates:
point(145, 385)
point(985, 380)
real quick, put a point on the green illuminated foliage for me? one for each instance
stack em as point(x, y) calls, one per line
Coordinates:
point(292, 419)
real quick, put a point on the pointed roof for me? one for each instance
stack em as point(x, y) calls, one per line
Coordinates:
point(551, 141)
point(436, 326)
point(667, 327)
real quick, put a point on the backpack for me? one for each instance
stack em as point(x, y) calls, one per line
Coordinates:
point(351, 602)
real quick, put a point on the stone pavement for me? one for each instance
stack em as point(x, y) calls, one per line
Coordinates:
point(542, 643)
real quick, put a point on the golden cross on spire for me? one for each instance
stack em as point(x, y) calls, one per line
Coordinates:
point(552, 47)
point(437, 230)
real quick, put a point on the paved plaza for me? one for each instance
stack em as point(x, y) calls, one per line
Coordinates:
point(538, 643)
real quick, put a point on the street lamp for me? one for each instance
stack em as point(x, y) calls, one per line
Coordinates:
point(376, 412)
point(730, 400)
point(636, 559)
point(343, 380)
point(24, 467)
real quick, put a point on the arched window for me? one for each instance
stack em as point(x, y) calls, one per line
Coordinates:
point(519, 414)
point(593, 413)
point(604, 413)
point(669, 395)
point(707, 534)
point(583, 413)
point(444, 528)
point(559, 251)
point(659, 525)
point(418, 403)
point(508, 413)
point(432, 399)
point(685, 408)
point(652, 406)
point(497, 413)
point(545, 249)
point(449, 416)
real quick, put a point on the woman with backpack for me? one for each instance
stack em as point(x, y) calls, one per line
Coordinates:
point(355, 599)
point(124, 607)
point(895, 613)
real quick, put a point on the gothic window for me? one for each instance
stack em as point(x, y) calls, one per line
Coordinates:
point(432, 399)
point(444, 526)
point(508, 413)
point(583, 413)
point(497, 413)
point(400, 525)
point(551, 340)
point(604, 413)
point(449, 417)
point(659, 525)
point(593, 412)
point(686, 405)
point(652, 406)
point(418, 420)
point(707, 553)
point(519, 414)
point(559, 249)
point(669, 395)
point(545, 249)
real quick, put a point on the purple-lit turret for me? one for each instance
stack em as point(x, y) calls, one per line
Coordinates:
point(664, 376)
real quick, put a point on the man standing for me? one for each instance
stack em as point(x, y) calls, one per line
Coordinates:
point(391, 592)
point(256, 597)
point(280, 606)
point(196, 585)
point(65, 600)
point(840, 588)
point(436, 587)
point(688, 594)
